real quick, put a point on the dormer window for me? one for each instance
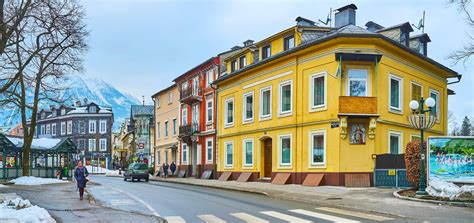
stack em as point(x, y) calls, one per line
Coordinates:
point(233, 66)
point(54, 113)
point(92, 109)
point(43, 115)
point(289, 42)
point(422, 48)
point(404, 37)
point(63, 111)
point(266, 51)
point(242, 62)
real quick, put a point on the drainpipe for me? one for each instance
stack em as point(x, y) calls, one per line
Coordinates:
point(216, 141)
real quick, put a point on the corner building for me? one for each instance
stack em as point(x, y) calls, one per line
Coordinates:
point(315, 101)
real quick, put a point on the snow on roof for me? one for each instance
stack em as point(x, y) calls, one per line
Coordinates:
point(40, 143)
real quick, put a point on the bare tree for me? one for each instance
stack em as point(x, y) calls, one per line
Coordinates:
point(463, 6)
point(48, 45)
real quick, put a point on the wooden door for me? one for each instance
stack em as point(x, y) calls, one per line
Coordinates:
point(268, 158)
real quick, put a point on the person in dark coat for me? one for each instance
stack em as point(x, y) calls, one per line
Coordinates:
point(80, 175)
point(165, 169)
point(172, 168)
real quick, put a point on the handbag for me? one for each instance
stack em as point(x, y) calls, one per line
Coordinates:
point(85, 177)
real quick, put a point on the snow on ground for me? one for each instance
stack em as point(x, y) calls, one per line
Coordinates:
point(3, 186)
point(23, 211)
point(113, 173)
point(94, 169)
point(35, 181)
point(440, 188)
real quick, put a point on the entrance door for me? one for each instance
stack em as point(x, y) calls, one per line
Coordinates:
point(268, 157)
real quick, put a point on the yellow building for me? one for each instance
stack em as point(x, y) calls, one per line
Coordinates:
point(313, 101)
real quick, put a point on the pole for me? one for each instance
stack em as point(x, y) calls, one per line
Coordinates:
point(421, 189)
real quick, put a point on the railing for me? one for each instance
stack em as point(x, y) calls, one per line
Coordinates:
point(190, 93)
point(189, 129)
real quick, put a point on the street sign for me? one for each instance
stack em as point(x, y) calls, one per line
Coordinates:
point(334, 124)
point(141, 156)
point(141, 145)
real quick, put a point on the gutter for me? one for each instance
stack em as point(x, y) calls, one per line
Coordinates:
point(459, 76)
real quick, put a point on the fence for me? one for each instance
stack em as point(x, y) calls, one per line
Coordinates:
point(390, 171)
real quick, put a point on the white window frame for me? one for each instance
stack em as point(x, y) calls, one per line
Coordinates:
point(244, 107)
point(400, 140)
point(103, 131)
point(311, 146)
point(245, 61)
point(209, 159)
point(225, 154)
point(94, 143)
point(48, 129)
point(400, 93)
point(280, 150)
point(438, 99)
point(280, 98)
point(158, 101)
point(244, 152)
point(166, 125)
point(170, 97)
point(43, 130)
point(411, 89)
point(226, 102)
point(53, 129)
point(69, 127)
point(209, 73)
point(358, 79)
point(211, 101)
point(158, 130)
point(185, 157)
point(184, 116)
point(92, 130)
point(269, 116)
point(63, 128)
point(313, 107)
point(105, 144)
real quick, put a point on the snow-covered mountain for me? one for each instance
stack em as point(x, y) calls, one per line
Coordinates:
point(79, 88)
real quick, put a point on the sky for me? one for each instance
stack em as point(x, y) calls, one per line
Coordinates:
point(140, 46)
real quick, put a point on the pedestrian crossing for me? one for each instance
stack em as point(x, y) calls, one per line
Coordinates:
point(326, 214)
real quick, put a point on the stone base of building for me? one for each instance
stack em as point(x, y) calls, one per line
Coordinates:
point(329, 179)
point(199, 170)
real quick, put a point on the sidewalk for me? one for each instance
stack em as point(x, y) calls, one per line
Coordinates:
point(61, 201)
point(372, 199)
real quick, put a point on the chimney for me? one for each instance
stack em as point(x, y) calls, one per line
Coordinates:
point(248, 42)
point(78, 104)
point(51, 107)
point(346, 15)
point(300, 21)
point(373, 27)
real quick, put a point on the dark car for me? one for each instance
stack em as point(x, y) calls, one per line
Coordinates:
point(136, 171)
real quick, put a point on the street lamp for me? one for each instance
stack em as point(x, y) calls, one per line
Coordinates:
point(419, 120)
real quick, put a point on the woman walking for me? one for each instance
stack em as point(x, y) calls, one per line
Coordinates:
point(80, 174)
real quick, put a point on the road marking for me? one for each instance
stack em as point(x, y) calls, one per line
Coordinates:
point(322, 216)
point(249, 218)
point(209, 218)
point(355, 214)
point(285, 217)
point(116, 202)
point(175, 219)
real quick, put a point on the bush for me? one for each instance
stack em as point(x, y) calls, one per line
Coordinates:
point(412, 162)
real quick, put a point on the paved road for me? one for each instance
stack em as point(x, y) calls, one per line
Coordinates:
point(185, 203)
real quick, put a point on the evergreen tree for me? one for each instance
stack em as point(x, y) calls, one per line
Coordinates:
point(466, 127)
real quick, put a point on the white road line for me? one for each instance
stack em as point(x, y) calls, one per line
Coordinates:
point(322, 216)
point(355, 214)
point(209, 218)
point(175, 219)
point(249, 218)
point(285, 217)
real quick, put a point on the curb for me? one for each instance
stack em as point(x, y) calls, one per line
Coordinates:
point(451, 203)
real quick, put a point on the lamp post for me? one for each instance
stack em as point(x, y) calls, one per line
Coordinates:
point(421, 121)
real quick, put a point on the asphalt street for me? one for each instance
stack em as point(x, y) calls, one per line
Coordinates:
point(186, 203)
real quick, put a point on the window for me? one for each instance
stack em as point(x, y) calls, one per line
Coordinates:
point(43, 130)
point(422, 48)
point(209, 148)
point(318, 91)
point(285, 150)
point(318, 147)
point(266, 103)
point(289, 42)
point(248, 152)
point(158, 101)
point(416, 91)
point(266, 51)
point(92, 109)
point(248, 107)
point(103, 144)
point(404, 37)
point(233, 66)
point(91, 145)
point(174, 126)
point(92, 124)
point(229, 154)
point(43, 115)
point(166, 128)
point(209, 78)
point(170, 97)
point(196, 85)
point(69, 127)
point(229, 112)
point(286, 98)
point(184, 117)
point(195, 114)
point(81, 144)
point(435, 110)
point(395, 142)
point(63, 128)
point(242, 62)
point(158, 130)
point(357, 82)
point(103, 126)
point(184, 85)
point(63, 111)
point(415, 138)
point(185, 153)
point(395, 93)
point(53, 129)
point(209, 111)
point(48, 129)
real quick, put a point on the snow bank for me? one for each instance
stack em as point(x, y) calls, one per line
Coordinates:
point(23, 211)
point(3, 186)
point(94, 169)
point(440, 188)
point(36, 181)
point(113, 173)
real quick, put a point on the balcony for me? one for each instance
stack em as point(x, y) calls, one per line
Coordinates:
point(189, 129)
point(190, 95)
point(357, 106)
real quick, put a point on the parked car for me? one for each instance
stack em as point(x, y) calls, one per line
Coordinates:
point(136, 171)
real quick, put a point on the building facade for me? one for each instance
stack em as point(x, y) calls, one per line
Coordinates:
point(141, 125)
point(88, 125)
point(321, 102)
point(166, 143)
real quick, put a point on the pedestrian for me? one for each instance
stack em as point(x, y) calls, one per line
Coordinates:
point(165, 169)
point(81, 174)
point(172, 168)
